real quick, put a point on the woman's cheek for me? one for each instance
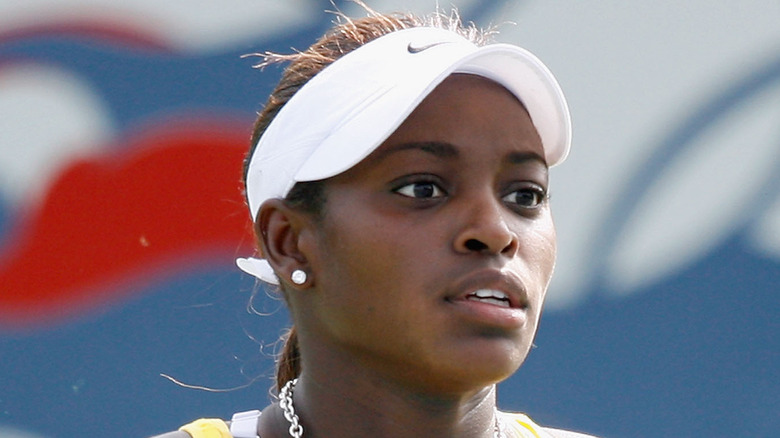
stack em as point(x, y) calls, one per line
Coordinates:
point(543, 245)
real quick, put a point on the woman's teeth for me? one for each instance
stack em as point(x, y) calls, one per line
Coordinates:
point(494, 297)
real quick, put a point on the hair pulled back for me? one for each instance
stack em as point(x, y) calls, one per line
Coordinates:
point(346, 36)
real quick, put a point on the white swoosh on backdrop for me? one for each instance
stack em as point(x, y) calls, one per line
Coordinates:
point(720, 183)
point(194, 25)
point(16, 433)
point(47, 118)
point(632, 71)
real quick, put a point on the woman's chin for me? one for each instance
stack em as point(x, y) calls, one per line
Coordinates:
point(475, 368)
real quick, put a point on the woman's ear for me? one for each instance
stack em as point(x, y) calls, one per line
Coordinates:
point(278, 229)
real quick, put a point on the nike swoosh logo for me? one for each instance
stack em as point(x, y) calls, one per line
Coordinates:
point(414, 49)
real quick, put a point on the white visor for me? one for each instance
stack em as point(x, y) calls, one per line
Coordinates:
point(348, 109)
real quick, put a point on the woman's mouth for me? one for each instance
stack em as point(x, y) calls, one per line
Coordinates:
point(490, 296)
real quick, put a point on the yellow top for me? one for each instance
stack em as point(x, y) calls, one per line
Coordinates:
point(207, 428)
point(523, 426)
point(520, 424)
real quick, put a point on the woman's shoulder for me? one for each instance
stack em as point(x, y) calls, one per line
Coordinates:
point(559, 433)
point(242, 425)
point(202, 428)
point(524, 426)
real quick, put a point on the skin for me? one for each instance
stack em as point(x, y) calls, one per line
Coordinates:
point(453, 201)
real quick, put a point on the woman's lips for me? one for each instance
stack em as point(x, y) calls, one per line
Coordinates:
point(491, 286)
point(489, 308)
point(490, 298)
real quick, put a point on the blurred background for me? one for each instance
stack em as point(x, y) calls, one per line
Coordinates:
point(122, 130)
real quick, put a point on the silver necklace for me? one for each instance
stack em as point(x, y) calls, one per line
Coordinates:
point(286, 403)
point(296, 430)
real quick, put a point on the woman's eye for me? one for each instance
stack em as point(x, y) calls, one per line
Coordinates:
point(421, 190)
point(526, 198)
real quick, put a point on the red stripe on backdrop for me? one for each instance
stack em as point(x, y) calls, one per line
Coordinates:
point(168, 201)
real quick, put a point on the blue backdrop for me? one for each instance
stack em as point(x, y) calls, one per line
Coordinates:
point(694, 353)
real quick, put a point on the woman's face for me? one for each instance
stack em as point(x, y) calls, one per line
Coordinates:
point(433, 256)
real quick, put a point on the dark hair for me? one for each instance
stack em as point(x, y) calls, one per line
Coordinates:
point(346, 36)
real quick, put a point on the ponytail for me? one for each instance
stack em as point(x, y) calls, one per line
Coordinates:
point(289, 366)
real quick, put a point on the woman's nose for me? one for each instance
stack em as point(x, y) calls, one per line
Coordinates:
point(485, 229)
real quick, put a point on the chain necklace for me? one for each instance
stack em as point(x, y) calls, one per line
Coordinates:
point(296, 430)
point(286, 403)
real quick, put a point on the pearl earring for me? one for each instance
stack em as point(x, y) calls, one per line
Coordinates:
point(298, 277)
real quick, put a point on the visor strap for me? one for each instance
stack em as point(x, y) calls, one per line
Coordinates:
point(258, 268)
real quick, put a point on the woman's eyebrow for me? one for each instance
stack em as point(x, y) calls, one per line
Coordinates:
point(524, 157)
point(435, 148)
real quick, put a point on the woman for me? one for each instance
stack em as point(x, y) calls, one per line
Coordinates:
point(400, 201)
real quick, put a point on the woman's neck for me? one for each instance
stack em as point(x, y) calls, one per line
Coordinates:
point(356, 404)
point(346, 392)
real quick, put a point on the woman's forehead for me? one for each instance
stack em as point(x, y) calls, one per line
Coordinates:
point(467, 109)
point(465, 118)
